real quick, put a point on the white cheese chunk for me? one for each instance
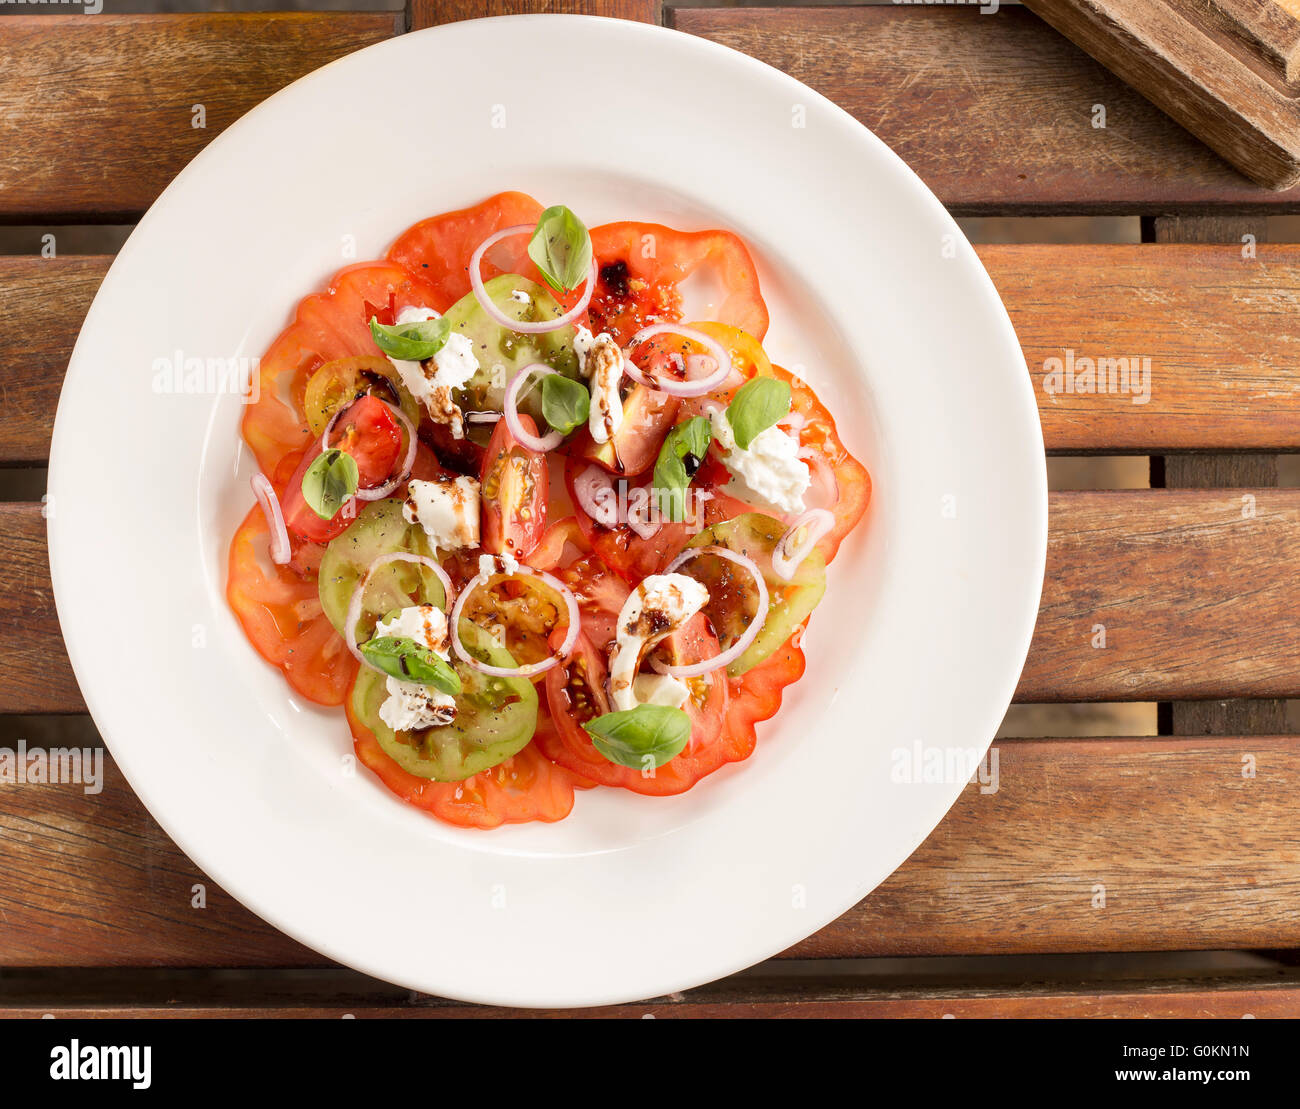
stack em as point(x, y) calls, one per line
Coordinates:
point(411, 706)
point(601, 360)
point(656, 608)
point(660, 689)
point(770, 471)
point(447, 510)
point(432, 382)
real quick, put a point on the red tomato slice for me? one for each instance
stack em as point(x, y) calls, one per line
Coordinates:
point(549, 552)
point(515, 488)
point(525, 787)
point(575, 694)
point(370, 434)
point(851, 477)
point(642, 265)
point(600, 596)
point(648, 416)
point(439, 249)
point(281, 614)
point(756, 694)
point(327, 325)
point(622, 549)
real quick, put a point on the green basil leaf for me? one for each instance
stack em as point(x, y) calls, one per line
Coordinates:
point(329, 481)
point(411, 342)
point(409, 661)
point(680, 456)
point(561, 248)
point(757, 405)
point(654, 733)
point(566, 404)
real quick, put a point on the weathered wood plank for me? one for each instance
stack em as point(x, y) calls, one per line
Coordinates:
point(1060, 857)
point(1195, 74)
point(1214, 321)
point(43, 302)
point(97, 115)
point(1167, 595)
point(429, 13)
point(36, 675)
point(996, 113)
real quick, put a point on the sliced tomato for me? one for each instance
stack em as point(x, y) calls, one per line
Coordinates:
point(575, 694)
point(622, 549)
point(552, 549)
point(281, 614)
point(514, 490)
point(327, 325)
point(600, 595)
point(526, 787)
point(851, 480)
point(369, 433)
point(643, 265)
point(648, 416)
point(756, 695)
point(840, 482)
point(439, 249)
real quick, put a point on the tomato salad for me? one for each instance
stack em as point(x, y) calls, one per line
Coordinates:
point(532, 529)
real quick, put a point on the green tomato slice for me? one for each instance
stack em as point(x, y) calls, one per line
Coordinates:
point(733, 598)
point(379, 529)
point(502, 353)
point(338, 383)
point(495, 717)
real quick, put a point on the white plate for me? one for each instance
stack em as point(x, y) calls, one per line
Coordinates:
point(920, 640)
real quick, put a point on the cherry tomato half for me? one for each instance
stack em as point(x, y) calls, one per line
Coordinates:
point(369, 433)
point(515, 488)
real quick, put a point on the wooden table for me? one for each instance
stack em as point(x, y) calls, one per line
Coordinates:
point(1028, 901)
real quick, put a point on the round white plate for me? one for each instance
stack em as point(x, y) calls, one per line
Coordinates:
point(917, 647)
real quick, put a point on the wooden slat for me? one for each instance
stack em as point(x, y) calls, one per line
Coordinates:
point(1195, 591)
point(93, 881)
point(995, 113)
point(96, 115)
point(43, 302)
point(429, 13)
point(1195, 74)
point(1217, 327)
point(35, 675)
point(1230, 1002)
point(1198, 600)
point(1264, 29)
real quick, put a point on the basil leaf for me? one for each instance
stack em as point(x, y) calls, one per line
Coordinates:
point(409, 661)
point(648, 732)
point(757, 405)
point(566, 404)
point(329, 481)
point(411, 342)
point(680, 456)
point(561, 248)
